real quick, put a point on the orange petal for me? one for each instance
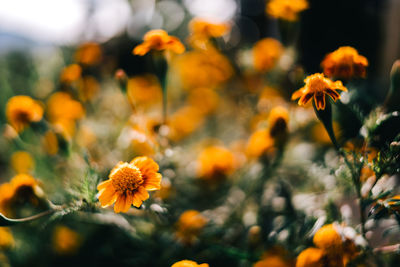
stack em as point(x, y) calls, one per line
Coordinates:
point(319, 101)
point(333, 94)
point(136, 201)
point(120, 204)
point(297, 94)
point(142, 193)
point(153, 182)
point(107, 196)
point(305, 99)
point(104, 184)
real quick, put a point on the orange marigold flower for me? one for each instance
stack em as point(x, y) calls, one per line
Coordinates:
point(129, 183)
point(273, 261)
point(286, 9)
point(159, 40)
point(317, 85)
point(6, 238)
point(88, 88)
point(207, 29)
point(22, 162)
point(144, 90)
point(266, 53)
point(310, 257)
point(188, 263)
point(88, 53)
point(22, 110)
point(71, 73)
point(184, 121)
point(189, 226)
point(65, 240)
point(344, 63)
point(260, 142)
point(204, 99)
point(328, 239)
point(215, 162)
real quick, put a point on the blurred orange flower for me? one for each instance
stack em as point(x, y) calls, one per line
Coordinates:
point(22, 162)
point(128, 184)
point(88, 53)
point(215, 162)
point(71, 73)
point(65, 240)
point(310, 257)
point(88, 88)
point(206, 69)
point(184, 122)
point(202, 30)
point(286, 9)
point(22, 110)
point(278, 120)
point(144, 90)
point(266, 53)
point(6, 238)
point(50, 143)
point(260, 142)
point(189, 226)
point(345, 62)
point(159, 40)
point(204, 99)
point(188, 263)
point(317, 85)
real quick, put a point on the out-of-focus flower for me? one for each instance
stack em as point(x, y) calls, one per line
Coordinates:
point(88, 88)
point(166, 189)
point(85, 137)
point(206, 69)
point(286, 9)
point(344, 63)
point(65, 240)
point(310, 257)
point(6, 238)
point(278, 120)
point(266, 53)
point(144, 90)
point(260, 142)
point(22, 110)
point(188, 263)
point(202, 30)
point(268, 98)
point(184, 122)
point(50, 143)
point(189, 226)
point(128, 184)
point(204, 99)
point(71, 73)
point(317, 85)
point(88, 54)
point(334, 248)
point(276, 257)
point(62, 112)
point(159, 40)
point(215, 162)
point(21, 187)
point(22, 162)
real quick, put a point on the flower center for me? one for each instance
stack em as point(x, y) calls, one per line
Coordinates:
point(317, 85)
point(22, 116)
point(127, 178)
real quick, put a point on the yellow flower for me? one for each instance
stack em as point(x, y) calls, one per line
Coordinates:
point(144, 90)
point(207, 69)
point(328, 239)
point(345, 62)
point(184, 122)
point(50, 143)
point(286, 9)
point(215, 162)
point(22, 110)
point(310, 257)
point(266, 53)
point(71, 73)
point(189, 226)
point(128, 184)
point(202, 30)
point(88, 53)
point(88, 88)
point(159, 40)
point(317, 86)
point(204, 99)
point(278, 120)
point(260, 142)
point(188, 263)
point(6, 238)
point(21, 187)
point(65, 240)
point(272, 261)
point(22, 162)
point(62, 111)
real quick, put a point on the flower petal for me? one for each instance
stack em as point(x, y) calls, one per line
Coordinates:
point(107, 196)
point(298, 93)
point(305, 99)
point(104, 184)
point(120, 204)
point(153, 182)
point(333, 94)
point(319, 101)
point(142, 193)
